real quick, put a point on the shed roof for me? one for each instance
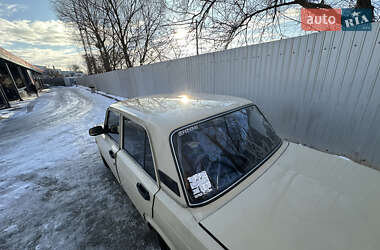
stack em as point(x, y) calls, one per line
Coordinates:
point(8, 56)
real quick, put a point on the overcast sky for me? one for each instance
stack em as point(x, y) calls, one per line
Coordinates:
point(30, 29)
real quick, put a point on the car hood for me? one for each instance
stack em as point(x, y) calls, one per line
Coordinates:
point(306, 200)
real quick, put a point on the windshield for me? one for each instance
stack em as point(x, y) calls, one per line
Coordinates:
point(215, 154)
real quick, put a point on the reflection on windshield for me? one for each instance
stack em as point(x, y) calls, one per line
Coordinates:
point(216, 153)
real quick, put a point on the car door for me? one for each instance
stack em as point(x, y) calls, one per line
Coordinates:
point(136, 167)
point(109, 146)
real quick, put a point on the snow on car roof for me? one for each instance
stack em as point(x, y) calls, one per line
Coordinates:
point(172, 111)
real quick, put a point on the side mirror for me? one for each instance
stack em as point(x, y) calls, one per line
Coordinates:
point(98, 130)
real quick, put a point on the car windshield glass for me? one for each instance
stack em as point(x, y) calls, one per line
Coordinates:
point(215, 154)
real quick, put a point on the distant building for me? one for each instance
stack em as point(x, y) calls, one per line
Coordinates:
point(72, 73)
point(18, 78)
point(53, 72)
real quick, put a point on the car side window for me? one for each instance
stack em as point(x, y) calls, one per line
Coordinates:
point(113, 125)
point(136, 143)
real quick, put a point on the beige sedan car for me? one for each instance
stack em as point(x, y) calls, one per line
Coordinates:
point(209, 172)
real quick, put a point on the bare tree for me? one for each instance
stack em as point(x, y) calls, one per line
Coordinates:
point(94, 23)
point(121, 13)
point(138, 26)
point(67, 12)
point(124, 33)
point(86, 16)
point(225, 21)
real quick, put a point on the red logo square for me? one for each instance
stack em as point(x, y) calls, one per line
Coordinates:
point(321, 19)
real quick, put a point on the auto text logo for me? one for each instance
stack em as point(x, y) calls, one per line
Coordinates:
point(346, 19)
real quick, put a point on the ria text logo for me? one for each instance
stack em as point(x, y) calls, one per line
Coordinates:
point(336, 19)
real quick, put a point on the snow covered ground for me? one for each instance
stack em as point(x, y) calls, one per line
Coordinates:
point(55, 192)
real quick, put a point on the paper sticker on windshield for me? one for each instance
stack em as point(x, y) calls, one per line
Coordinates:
point(200, 184)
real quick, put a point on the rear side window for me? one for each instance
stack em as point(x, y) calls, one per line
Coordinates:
point(136, 143)
point(113, 125)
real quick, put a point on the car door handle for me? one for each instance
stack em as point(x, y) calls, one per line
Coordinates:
point(143, 192)
point(112, 154)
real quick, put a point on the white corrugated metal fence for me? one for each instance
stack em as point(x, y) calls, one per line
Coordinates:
point(322, 90)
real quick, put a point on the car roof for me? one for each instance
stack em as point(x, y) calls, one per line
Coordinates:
point(171, 111)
